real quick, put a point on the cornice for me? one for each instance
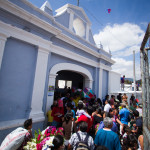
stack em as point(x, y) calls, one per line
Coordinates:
point(37, 9)
point(83, 47)
point(5, 4)
point(66, 53)
point(75, 7)
point(11, 31)
point(19, 12)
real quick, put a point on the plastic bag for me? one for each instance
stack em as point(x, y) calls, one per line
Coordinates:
point(14, 139)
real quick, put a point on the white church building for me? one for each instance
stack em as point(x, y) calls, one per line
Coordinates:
point(37, 49)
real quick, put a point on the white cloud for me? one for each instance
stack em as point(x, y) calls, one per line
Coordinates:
point(127, 51)
point(125, 67)
point(120, 37)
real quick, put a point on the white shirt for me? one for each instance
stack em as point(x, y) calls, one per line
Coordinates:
point(107, 107)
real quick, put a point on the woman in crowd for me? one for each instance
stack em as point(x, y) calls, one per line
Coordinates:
point(69, 127)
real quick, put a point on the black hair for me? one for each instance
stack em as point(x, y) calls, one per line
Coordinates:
point(136, 113)
point(99, 111)
point(83, 126)
point(52, 107)
point(101, 148)
point(106, 96)
point(69, 105)
point(68, 116)
point(94, 106)
point(57, 142)
point(134, 103)
point(90, 110)
point(99, 101)
point(27, 123)
point(126, 128)
point(130, 142)
point(80, 105)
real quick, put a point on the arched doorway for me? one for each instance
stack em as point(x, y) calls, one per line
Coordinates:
point(68, 79)
point(87, 82)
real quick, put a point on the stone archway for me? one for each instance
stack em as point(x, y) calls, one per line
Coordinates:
point(70, 67)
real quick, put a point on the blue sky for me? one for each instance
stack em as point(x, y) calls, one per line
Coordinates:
point(121, 31)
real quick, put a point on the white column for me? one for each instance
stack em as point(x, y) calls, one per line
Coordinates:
point(87, 32)
point(3, 39)
point(39, 85)
point(109, 82)
point(100, 83)
point(52, 80)
point(71, 20)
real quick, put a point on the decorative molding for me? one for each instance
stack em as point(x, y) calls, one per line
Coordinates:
point(21, 13)
point(14, 9)
point(83, 47)
point(75, 7)
point(11, 31)
point(102, 66)
point(45, 45)
point(72, 67)
point(37, 9)
point(66, 53)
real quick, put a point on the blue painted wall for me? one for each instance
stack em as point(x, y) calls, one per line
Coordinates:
point(105, 84)
point(16, 79)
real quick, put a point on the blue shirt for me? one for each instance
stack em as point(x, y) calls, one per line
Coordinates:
point(108, 139)
point(124, 114)
point(73, 113)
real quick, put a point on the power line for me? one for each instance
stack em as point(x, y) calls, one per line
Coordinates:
point(103, 26)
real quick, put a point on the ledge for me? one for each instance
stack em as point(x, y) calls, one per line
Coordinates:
point(16, 123)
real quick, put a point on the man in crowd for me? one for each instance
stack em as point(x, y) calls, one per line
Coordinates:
point(124, 116)
point(83, 126)
point(106, 137)
point(122, 82)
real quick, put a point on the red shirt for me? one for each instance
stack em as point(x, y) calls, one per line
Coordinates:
point(87, 120)
point(55, 111)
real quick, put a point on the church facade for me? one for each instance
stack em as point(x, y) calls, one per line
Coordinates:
point(34, 46)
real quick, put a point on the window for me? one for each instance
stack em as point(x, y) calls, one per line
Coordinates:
point(63, 83)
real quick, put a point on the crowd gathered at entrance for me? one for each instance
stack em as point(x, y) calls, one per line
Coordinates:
point(93, 124)
point(109, 123)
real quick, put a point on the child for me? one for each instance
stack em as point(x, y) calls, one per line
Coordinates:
point(80, 110)
point(50, 118)
point(28, 136)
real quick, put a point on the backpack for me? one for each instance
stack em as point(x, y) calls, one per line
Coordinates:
point(82, 145)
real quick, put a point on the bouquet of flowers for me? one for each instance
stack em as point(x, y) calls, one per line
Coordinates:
point(43, 140)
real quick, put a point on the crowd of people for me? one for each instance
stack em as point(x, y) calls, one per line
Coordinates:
point(103, 124)
point(94, 124)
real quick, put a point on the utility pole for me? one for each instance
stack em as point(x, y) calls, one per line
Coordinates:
point(78, 3)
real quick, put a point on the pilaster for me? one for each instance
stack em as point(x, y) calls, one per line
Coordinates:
point(3, 39)
point(39, 85)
